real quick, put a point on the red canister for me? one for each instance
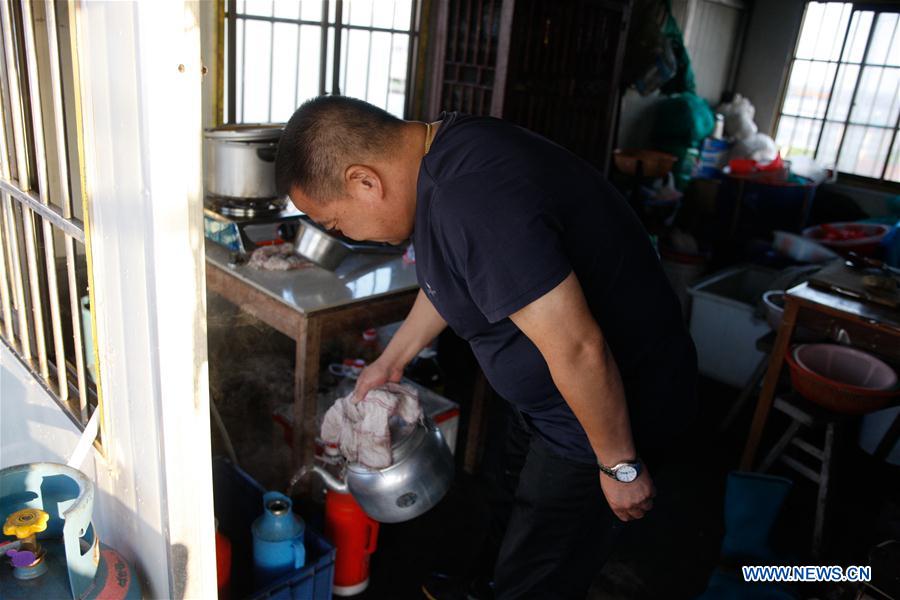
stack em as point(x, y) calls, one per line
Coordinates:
point(354, 535)
point(223, 564)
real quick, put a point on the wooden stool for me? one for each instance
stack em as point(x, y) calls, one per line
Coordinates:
point(763, 344)
point(872, 328)
point(805, 420)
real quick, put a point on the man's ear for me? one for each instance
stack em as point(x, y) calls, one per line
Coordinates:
point(364, 182)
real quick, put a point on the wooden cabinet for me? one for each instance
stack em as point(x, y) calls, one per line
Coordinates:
point(550, 66)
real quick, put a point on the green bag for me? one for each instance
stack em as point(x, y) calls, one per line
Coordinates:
point(683, 81)
point(682, 121)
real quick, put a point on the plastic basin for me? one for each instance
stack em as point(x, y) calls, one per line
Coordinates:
point(867, 245)
point(801, 249)
point(841, 378)
point(773, 301)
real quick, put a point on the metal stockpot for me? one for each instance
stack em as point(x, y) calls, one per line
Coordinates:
point(240, 160)
point(419, 477)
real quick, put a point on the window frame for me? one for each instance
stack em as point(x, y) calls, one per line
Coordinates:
point(41, 177)
point(878, 183)
point(329, 29)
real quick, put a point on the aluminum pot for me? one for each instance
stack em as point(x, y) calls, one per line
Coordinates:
point(418, 479)
point(240, 160)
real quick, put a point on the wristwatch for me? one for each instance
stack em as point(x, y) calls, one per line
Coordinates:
point(625, 471)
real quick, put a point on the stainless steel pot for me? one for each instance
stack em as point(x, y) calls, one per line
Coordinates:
point(419, 477)
point(325, 250)
point(240, 160)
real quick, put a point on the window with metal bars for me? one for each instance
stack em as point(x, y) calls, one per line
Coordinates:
point(841, 104)
point(45, 306)
point(280, 53)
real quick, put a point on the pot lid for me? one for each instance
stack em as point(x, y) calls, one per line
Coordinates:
point(246, 132)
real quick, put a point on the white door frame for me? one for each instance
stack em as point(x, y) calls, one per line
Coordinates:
point(141, 76)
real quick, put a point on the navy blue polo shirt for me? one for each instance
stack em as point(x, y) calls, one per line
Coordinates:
point(503, 216)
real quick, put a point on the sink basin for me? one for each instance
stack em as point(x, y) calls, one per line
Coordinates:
point(842, 379)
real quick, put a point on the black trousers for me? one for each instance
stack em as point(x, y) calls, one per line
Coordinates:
point(555, 530)
point(560, 530)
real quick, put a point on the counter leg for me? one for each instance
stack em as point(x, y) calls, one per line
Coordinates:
point(767, 395)
point(306, 383)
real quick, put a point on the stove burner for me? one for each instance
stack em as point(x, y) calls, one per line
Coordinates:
point(246, 208)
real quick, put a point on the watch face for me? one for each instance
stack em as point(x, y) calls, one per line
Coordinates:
point(626, 473)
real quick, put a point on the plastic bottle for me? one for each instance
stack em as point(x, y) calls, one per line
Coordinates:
point(277, 538)
point(714, 151)
point(368, 346)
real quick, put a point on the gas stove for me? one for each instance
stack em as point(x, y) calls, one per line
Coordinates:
point(245, 208)
point(244, 227)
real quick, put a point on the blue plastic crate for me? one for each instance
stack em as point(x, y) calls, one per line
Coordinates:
point(238, 502)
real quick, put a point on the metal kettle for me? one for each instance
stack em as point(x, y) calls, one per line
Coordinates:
point(417, 479)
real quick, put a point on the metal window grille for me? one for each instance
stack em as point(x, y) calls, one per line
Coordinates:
point(471, 59)
point(841, 104)
point(281, 53)
point(45, 315)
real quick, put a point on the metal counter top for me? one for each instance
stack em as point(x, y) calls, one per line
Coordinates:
point(362, 276)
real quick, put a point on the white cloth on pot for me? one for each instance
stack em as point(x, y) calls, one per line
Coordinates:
point(362, 431)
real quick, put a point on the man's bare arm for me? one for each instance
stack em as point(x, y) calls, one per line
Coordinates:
point(421, 326)
point(562, 327)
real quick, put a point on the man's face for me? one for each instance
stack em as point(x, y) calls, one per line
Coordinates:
point(369, 211)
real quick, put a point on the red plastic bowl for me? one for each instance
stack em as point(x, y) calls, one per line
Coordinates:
point(862, 238)
point(842, 379)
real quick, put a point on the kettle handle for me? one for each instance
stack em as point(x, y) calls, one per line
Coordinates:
point(372, 539)
point(299, 554)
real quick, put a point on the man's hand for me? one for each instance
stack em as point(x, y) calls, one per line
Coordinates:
point(376, 374)
point(629, 500)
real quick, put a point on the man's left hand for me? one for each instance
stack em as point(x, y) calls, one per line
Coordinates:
point(629, 500)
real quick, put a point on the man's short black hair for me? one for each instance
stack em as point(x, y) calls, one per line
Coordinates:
point(325, 136)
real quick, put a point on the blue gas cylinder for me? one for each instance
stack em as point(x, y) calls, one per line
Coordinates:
point(277, 539)
point(50, 548)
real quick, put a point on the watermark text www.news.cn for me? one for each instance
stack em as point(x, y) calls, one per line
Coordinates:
point(801, 573)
